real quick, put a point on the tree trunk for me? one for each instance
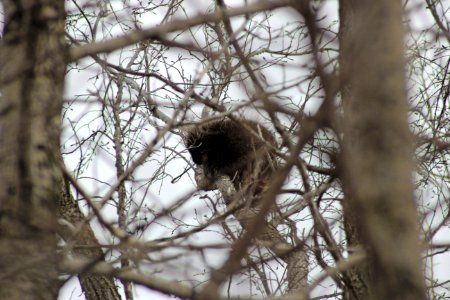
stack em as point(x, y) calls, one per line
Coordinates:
point(84, 245)
point(376, 162)
point(32, 64)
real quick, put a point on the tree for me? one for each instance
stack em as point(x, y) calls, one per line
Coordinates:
point(377, 142)
point(33, 59)
point(358, 208)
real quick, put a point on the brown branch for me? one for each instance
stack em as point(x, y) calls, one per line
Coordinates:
point(160, 32)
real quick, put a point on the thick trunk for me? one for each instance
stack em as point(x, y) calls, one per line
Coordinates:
point(377, 165)
point(32, 63)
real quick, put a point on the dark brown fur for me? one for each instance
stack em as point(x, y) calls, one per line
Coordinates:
point(226, 147)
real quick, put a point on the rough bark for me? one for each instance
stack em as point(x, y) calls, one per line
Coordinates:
point(78, 234)
point(32, 63)
point(358, 275)
point(376, 162)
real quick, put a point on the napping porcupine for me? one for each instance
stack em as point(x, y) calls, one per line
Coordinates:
point(227, 147)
